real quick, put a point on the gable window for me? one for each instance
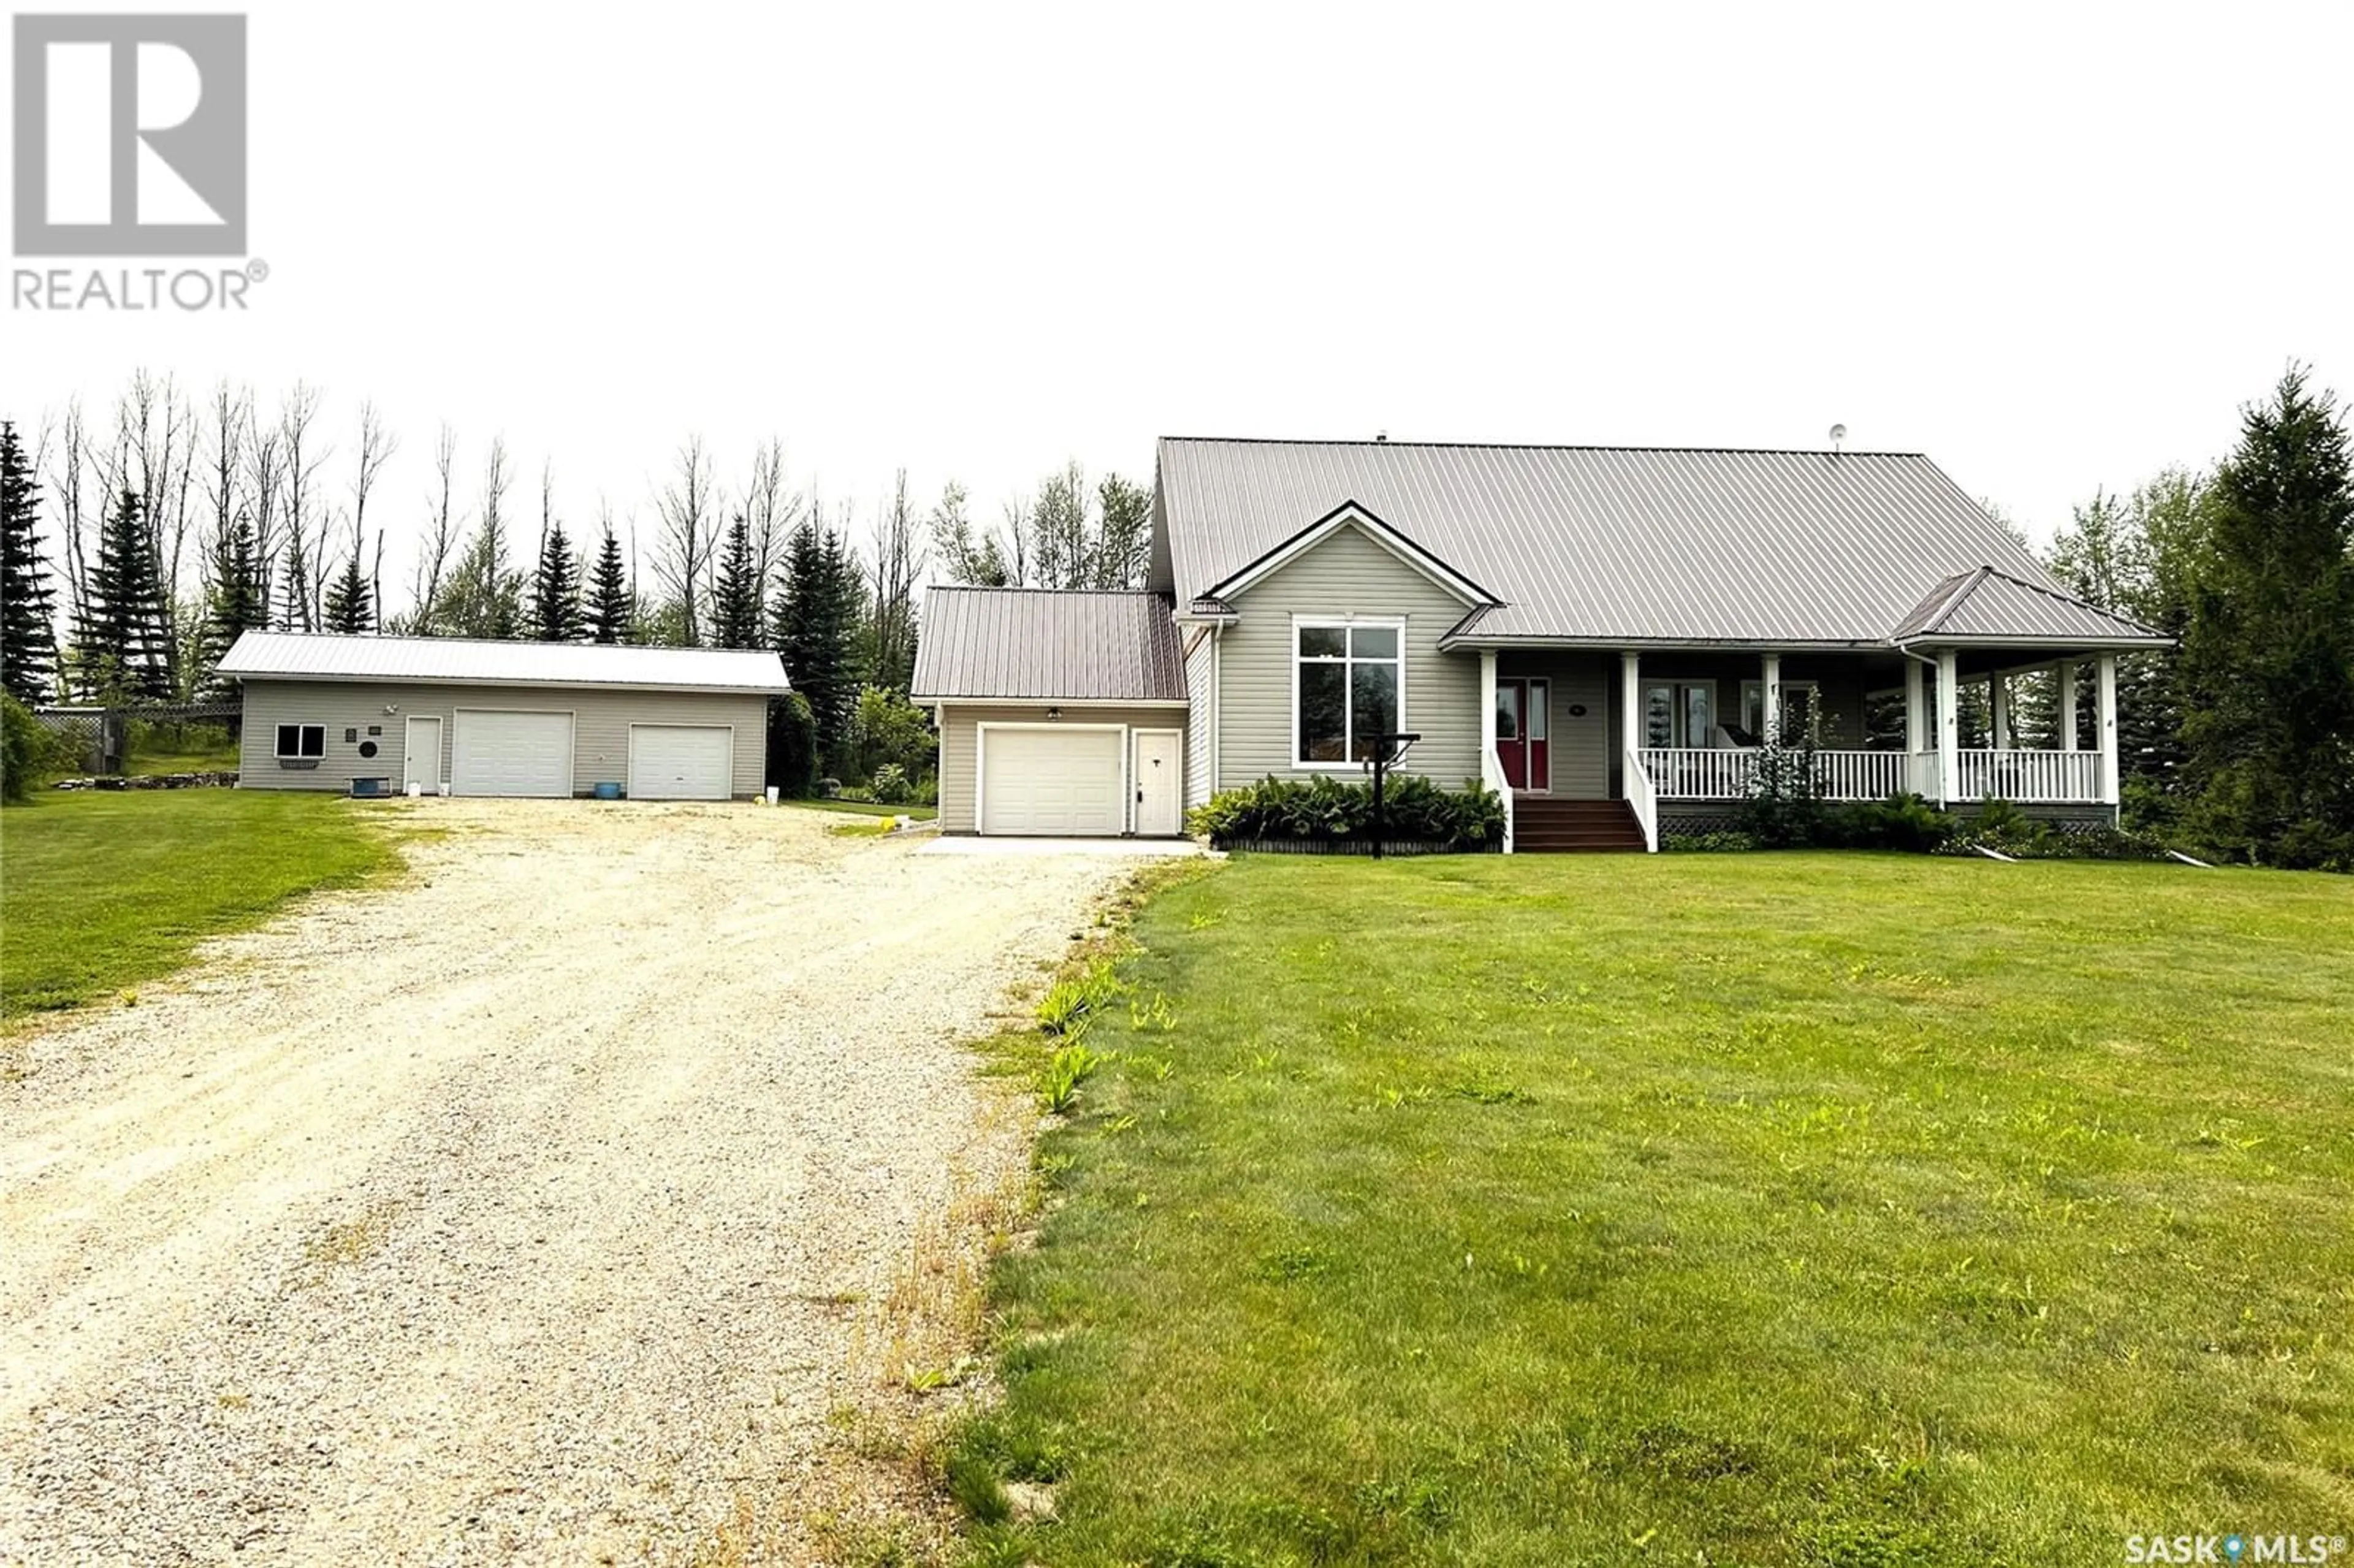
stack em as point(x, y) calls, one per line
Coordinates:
point(1348, 687)
point(301, 742)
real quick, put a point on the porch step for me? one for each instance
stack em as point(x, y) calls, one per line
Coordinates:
point(1544, 826)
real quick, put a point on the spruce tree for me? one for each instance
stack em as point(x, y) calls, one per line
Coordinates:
point(351, 608)
point(739, 593)
point(237, 600)
point(608, 594)
point(816, 630)
point(555, 612)
point(2268, 656)
point(121, 645)
point(27, 629)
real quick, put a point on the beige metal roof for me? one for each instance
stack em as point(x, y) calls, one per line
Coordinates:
point(303, 655)
point(1639, 544)
point(1991, 605)
point(1040, 645)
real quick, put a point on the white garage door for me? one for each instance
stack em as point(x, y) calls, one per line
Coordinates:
point(680, 761)
point(510, 754)
point(1060, 782)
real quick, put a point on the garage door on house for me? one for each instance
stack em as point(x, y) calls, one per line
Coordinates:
point(506, 753)
point(680, 761)
point(1059, 780)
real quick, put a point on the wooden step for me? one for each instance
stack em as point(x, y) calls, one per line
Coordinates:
point(1545, 826)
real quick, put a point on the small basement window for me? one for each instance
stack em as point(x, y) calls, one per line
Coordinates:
point(301, 742)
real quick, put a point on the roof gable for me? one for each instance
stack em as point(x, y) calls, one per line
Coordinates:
point(1988, 605)
point(1349, 515)
point(1047, 645)
point(1641, 544)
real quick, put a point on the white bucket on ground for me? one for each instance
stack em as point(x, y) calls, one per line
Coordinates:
point(772, 794)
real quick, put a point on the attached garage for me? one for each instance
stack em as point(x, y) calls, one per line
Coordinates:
point(1063, 780)
point(1061, 714)
point(529, 720)
point(526, 754)
point(680, 761)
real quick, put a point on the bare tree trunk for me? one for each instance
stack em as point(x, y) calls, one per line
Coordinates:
point(688, 506)
point(771, 510)
point(377, 447)
point(433, 558)
point(306, 527)
point(265, 467)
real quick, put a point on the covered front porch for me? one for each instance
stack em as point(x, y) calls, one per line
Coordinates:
point(1671, 731)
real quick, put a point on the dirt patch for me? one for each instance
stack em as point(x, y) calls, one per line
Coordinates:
point(528, 1209)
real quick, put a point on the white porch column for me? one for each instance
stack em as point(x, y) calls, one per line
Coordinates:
point(1772, 717)
point(2063, 678)
point(1916, 712)
point(1999, 709)
point(1487, 707)
point(2108, 699)
point(1630, 699)
point(1950, 726)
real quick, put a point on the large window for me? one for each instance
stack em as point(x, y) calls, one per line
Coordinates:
point(301, 742)
point(1679, 714)
point(1349, 687)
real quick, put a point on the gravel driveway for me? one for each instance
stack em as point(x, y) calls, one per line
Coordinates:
point(522, 1210)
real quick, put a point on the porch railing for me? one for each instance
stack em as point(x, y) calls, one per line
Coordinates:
point(1642, 798)
point(1725, 772)
point(2028, 775)
point(1491, 774)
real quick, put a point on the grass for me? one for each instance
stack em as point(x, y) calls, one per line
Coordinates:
point(1772, 1209)
point(867, 808)
point(103, 891)
point(184, 748)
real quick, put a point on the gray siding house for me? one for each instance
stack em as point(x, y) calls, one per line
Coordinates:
point(1604, 636)
point(449, 715)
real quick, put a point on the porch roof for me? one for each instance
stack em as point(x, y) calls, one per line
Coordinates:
point(1989, 605)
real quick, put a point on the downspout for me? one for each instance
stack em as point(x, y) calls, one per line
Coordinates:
point(1945, 785)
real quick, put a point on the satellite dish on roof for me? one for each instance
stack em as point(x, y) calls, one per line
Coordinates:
point(1839, 434)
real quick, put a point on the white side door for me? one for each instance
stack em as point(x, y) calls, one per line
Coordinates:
point(1160, 774)
point(420, 754)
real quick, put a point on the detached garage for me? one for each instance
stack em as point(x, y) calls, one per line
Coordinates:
point(519, 719)
point(1061, 714)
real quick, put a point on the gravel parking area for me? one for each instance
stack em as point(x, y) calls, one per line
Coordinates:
point(521, 1211)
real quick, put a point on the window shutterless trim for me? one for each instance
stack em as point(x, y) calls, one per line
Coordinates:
point(1346, 662)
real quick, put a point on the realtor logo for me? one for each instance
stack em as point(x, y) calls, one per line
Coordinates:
point(130, 135)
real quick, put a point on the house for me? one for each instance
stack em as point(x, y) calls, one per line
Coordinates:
point(1604, 635)
point(502, 718)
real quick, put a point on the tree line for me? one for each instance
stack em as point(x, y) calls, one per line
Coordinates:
point(140, 546)
point(2241, 737)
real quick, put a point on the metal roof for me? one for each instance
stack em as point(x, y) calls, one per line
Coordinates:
point(317, 656)
point(1989, 604)
point(1637, 545)
point(1046, 645)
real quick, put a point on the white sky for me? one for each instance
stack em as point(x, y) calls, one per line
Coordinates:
point(2055, 246)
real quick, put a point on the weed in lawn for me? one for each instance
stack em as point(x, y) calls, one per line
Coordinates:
point(1072, 1003)
point(1058, 1082)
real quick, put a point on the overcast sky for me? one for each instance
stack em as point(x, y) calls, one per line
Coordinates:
point(2054, 247)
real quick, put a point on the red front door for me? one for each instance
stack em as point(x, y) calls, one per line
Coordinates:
point(1511, 741)
point(1521, 726)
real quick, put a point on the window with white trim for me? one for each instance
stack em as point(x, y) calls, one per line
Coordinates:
point(1799, 709)
point(301, 742)
point(1349, 686)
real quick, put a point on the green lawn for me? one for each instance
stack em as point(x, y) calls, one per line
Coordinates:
point(1801, 1209)
point(100, 891)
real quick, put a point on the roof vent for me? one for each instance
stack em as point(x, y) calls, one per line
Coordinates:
point(1381, 435)
point(1838, 435)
